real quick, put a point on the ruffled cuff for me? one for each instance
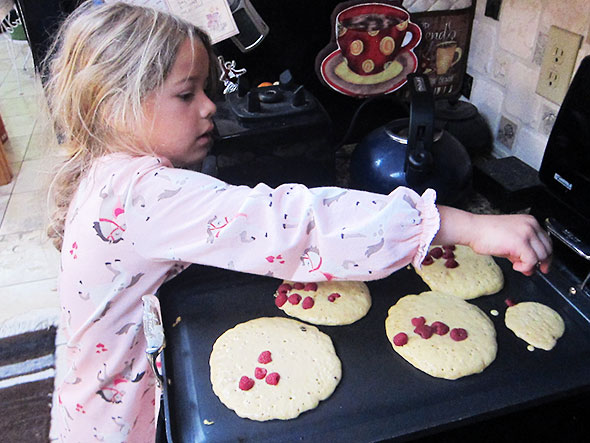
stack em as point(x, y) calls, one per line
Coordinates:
point(430, 225)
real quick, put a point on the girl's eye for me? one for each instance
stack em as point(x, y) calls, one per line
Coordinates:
point(186, 97)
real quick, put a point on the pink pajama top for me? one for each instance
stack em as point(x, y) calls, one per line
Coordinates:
point(137, 221)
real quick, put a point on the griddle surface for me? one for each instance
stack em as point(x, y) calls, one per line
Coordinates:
point(380, 396)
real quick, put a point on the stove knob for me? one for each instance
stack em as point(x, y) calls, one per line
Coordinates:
point(253, 102)
point(299, 97)
point(243, 86)
point(270, 95)
point(286, 80)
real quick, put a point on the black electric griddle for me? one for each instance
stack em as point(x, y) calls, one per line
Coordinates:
point(381, 396)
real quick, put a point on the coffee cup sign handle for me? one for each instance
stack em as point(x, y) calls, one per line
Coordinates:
point(457, 56)
point(416, 32)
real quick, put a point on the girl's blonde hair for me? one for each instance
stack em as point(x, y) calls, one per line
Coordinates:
point(103, 62)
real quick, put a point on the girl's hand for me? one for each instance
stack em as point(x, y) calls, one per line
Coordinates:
point(519, 238)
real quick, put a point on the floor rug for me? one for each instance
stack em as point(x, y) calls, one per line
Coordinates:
point(27, 372)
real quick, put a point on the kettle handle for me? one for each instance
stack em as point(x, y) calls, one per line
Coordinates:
point(419, 157)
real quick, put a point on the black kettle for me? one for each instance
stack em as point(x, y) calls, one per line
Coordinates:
point(463, 120)
point(413, 153)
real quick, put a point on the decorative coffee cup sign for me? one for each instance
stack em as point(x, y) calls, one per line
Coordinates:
point(442, 53)
point(372, 49)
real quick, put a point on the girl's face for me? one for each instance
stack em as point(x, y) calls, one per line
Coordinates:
point(178, 116)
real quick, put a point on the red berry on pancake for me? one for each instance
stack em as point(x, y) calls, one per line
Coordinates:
point(436, 252)
point(451, 263)
point(273, 378)
point(439, 328)
point(246, 383)
point(294, 299)
point(307, 303)
point(333, 296)
point(418, 321)
point(428, 260)
point(284, 288)
point(448, 254)
point(260, 373)
point(458, 334)
point(311, 287)
point(400, 339)
point(264, 357)
point(424, 331)
point(280, 300)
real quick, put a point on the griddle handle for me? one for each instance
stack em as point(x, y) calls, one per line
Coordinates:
point(154, 333)
point(568, 238)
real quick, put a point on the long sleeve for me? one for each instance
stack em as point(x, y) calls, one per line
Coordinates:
point(289, 232)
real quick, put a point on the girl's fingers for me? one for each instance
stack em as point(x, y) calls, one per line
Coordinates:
point(540, 249)
point(546, 240)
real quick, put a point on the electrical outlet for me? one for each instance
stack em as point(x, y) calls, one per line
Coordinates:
point(559, 59)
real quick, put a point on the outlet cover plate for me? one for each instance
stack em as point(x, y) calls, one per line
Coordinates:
point(559, 59)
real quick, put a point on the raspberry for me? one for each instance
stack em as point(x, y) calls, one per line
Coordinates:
point(448, 254)
point(280, 300)
point(294, 299)
point(273, 378)
point(400, 339)
point(298, 286)
point(333, 296)
point(436, 252)
point(307, 303)
point(424, 331)
point(451, 263)
point(427, 260)
point(311, 287)
point(284, 288)
point(246, 383)
point(418, 321)
point(264, 357)
point(439, 328)
point(260, 373)
point(509, 302)
point(458, 334)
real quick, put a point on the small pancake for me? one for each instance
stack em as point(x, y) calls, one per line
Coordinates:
point(443, 356)
point(273, 368)
point(535, 323)
point(334, 303)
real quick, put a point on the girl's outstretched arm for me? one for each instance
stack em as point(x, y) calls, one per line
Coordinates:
point(519, 238)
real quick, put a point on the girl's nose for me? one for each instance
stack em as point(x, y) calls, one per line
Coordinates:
point(208, 108)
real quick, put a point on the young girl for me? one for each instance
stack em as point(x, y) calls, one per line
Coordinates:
point(127, 88)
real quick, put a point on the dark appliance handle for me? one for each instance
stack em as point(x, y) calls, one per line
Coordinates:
point(419, 156)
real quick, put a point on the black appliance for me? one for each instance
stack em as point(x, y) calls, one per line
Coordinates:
point(273, 134)
point(413, 153)
point(565, 204)
point(565, 168)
